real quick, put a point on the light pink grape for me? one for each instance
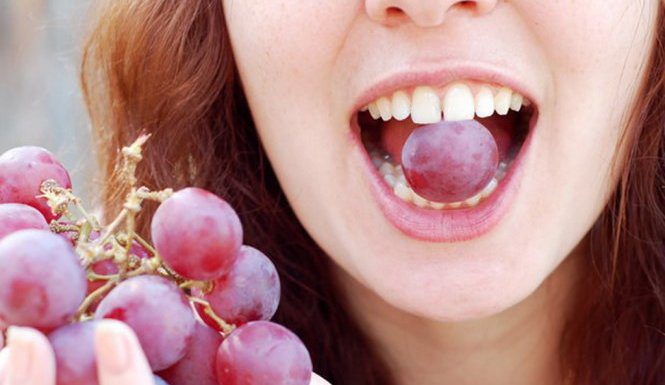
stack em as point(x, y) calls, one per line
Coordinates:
point(15, 217)
point(198, 365)
point(450, 161)
point(42, 283)
point(260, 353)
point(250, 291)
point(197, 234)
point(158, 312)
point(74, 347)
point(22, 172)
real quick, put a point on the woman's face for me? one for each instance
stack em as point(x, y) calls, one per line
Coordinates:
point(309, 68)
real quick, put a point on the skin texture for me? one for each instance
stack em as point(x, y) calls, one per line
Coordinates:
point(582, 63)
point(488, 310)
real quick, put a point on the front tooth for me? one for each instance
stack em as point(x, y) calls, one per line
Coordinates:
point(516, 102)
point(458, 103)
point(426, 108)
point(402, 191)
point(502, 100)
point(401, 105)
point(485, 103)
point(374, 111)
point(385, 108)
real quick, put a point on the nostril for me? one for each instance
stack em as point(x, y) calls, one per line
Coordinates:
point(394, 12)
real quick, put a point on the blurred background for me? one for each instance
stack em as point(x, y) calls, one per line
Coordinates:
point(40, 100)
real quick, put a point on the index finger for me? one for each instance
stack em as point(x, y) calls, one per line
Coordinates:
point(120, 359)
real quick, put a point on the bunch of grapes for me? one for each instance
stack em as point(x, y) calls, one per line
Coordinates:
point(198, 300)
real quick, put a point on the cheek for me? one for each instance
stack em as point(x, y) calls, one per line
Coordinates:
point(596, 51)
point(288, 44)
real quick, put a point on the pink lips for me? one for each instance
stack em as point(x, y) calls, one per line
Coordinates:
point(441, 225)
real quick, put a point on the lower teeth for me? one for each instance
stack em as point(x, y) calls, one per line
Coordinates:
point(393, 175)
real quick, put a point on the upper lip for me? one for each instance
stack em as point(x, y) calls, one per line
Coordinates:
point(442, 76)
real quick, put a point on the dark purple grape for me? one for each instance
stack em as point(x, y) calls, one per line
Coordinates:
point(260, 353)
point(159, 314)
point(197, 234)
point(42, 283)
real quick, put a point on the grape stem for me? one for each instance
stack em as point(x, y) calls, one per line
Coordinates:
point(115, 244)
point(89, 300)
point(207, 309)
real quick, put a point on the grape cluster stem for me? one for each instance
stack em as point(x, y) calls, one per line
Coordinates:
point(115, 241)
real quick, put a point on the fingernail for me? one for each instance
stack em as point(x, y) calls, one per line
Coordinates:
point(112, 343)
point(21, 343)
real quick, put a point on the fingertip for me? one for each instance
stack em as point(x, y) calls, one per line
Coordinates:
point(316, 380)
point(119, 353)
point(113, 343)
point(29, 350)
point(4, 357)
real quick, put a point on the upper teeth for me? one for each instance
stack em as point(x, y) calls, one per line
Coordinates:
point(458, 102)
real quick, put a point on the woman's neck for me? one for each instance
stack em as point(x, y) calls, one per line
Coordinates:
point(518, 346)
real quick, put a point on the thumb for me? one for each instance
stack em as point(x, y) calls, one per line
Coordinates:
point(316, 380)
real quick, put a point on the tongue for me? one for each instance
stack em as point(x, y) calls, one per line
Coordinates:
point(448, 161)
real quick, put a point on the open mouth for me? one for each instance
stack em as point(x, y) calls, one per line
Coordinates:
point(387, 123)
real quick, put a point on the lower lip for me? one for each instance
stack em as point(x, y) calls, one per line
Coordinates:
point(443, 225)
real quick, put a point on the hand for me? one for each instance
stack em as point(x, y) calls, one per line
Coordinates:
point(29, 359)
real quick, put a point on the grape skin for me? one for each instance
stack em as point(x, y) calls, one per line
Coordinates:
point(22, 172)
point(74, 348)
point(197, 234)
point(42, 283)
point(450, 161)
point(250, 291)
point(198, 365)
point(263, 352)
point(159, 314)
point(15, 217)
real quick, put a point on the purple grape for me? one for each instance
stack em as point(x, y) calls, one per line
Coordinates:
point(15, 217)
point(250, 291)
point(261, 353)
point(74, 347)
point(159, 314)
point(197, 234)
point(198, 365)
point(42, 283)
point(22, 172)
point(450, 161)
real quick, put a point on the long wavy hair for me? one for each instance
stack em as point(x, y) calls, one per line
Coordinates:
point(166, 67)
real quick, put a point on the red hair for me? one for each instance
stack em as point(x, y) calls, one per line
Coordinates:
point(166, 67)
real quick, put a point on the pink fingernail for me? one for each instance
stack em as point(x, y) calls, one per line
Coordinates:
point(21, 344)
point(112, 347)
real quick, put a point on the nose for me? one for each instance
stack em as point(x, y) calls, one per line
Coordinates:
point(424, 13)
